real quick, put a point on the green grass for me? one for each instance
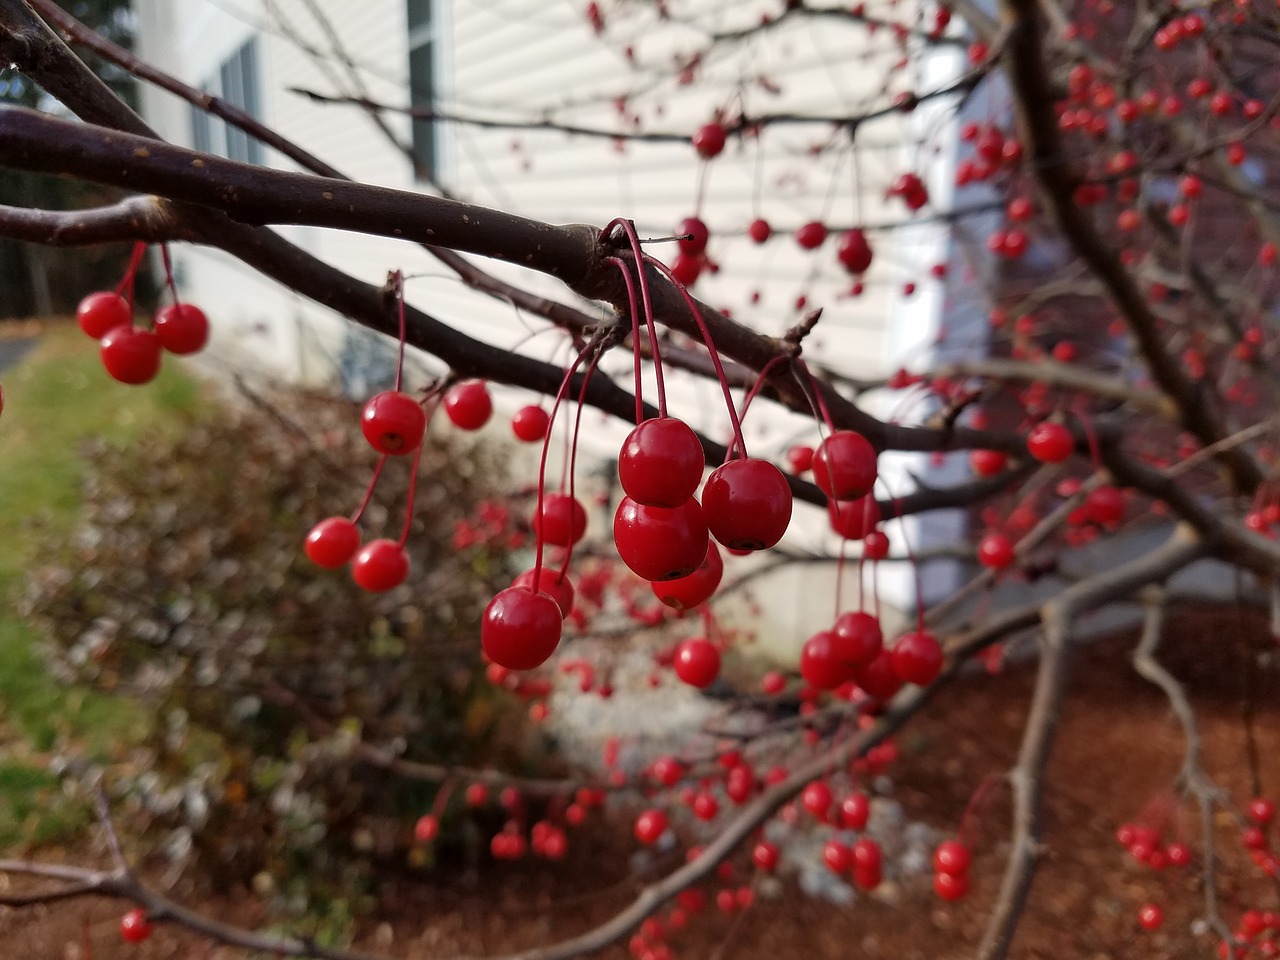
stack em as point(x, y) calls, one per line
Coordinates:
point(55, 399)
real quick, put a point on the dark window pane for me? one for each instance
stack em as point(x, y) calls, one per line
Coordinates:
point(422, 96)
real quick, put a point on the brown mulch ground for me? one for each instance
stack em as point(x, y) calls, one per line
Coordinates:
point(1118, 752)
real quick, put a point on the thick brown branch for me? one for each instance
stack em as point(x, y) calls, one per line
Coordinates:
point(137, 218)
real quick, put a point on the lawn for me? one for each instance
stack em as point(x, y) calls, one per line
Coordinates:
point(55, 399)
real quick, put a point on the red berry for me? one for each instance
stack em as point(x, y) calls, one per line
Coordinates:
point(520, 629)
point(554, 584)
point(468, 404)
point(854, 253)
point(134, 926)
point(709, 140)
point(820, 664)
point(1261, 811)
point(562, 521)
point(530, 424)
point(103, 311)
point(812, 235)
point(747, 504)
point(816, 798)
point(380, 566)
point(799, 459)
point(660, 543)
point(685, 593)
point(878, 678)
point(1105, 506)
point(650, 825)
point(917, 658)
point(687, 268)
point(661, 462)
point(131, 354)
point(950, 886)
point(182, 328)
point(987, 463)
point(844, 466)
point(837, 856)
point(856, 638)
point(1050, 442)
point(765, 855)
point(693, 235)
point(875, 545)
point(426, 829)
point(1150, 917)
point(333, 542)
point(853, 519)
point(953, 857)
point(393, 422)
point(995, 551)
point(697, 662)
point(867, 855)
point(855, 811)
point(759, 231)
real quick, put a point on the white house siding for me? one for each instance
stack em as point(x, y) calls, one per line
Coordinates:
point(517, 59)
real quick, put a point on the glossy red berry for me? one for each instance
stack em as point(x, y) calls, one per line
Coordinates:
point(856, 638)
point(988, 463)
point(709, 140)
point(520, 629)
point(1261, 811)
point(687, 268)
point(380, 565)
point(530, 424)
point(562, 521)
point(878, 679)
point(875, 545)
point(103, 311)
point(853, 519)
point(812, 235)
point(693, 236)
point(799, 459)
point(660, 543)
point(951, 886)
point(130, 354)
point(697, 662)
point(134, 926)
point(650, 826)
point(660, 464)
point(837, 856)
point(1150, 917)
point(953, 857)
point(854, 253)
point(747, 504)
point(468, 404)
point(553, 583)
point(685, 593)
point(868, 857)
point(820, 664)
point(393, 422)
point(816, 799)
point(766, 855)
point(855, 811)
point(333, 542)
point(995, 551)
point(759, 231)
point(1050, 442)
point(844, 466)
point(182, 328)
point(917, 658)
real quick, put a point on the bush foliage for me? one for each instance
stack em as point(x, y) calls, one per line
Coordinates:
point(186, 586)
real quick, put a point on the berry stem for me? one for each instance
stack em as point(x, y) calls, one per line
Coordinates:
point(634, 307)
point(542, 464)
point(168, 272)
point(647, 300)
point(125, 287)
point(751, 395)
point(368, 494)
point(573, 452)
point(711, 350)
point(413, 476)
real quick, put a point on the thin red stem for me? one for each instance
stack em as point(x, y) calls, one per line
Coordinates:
point(633, 306)
point(368, 494)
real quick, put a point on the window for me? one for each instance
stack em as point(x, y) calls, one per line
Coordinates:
point(422, 81)
point(237, 83)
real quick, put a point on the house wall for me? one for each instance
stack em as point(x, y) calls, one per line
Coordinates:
point(521, 59)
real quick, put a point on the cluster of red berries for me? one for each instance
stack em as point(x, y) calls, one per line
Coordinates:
point(394, 423)
point(132, 354)
point(951, 870)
